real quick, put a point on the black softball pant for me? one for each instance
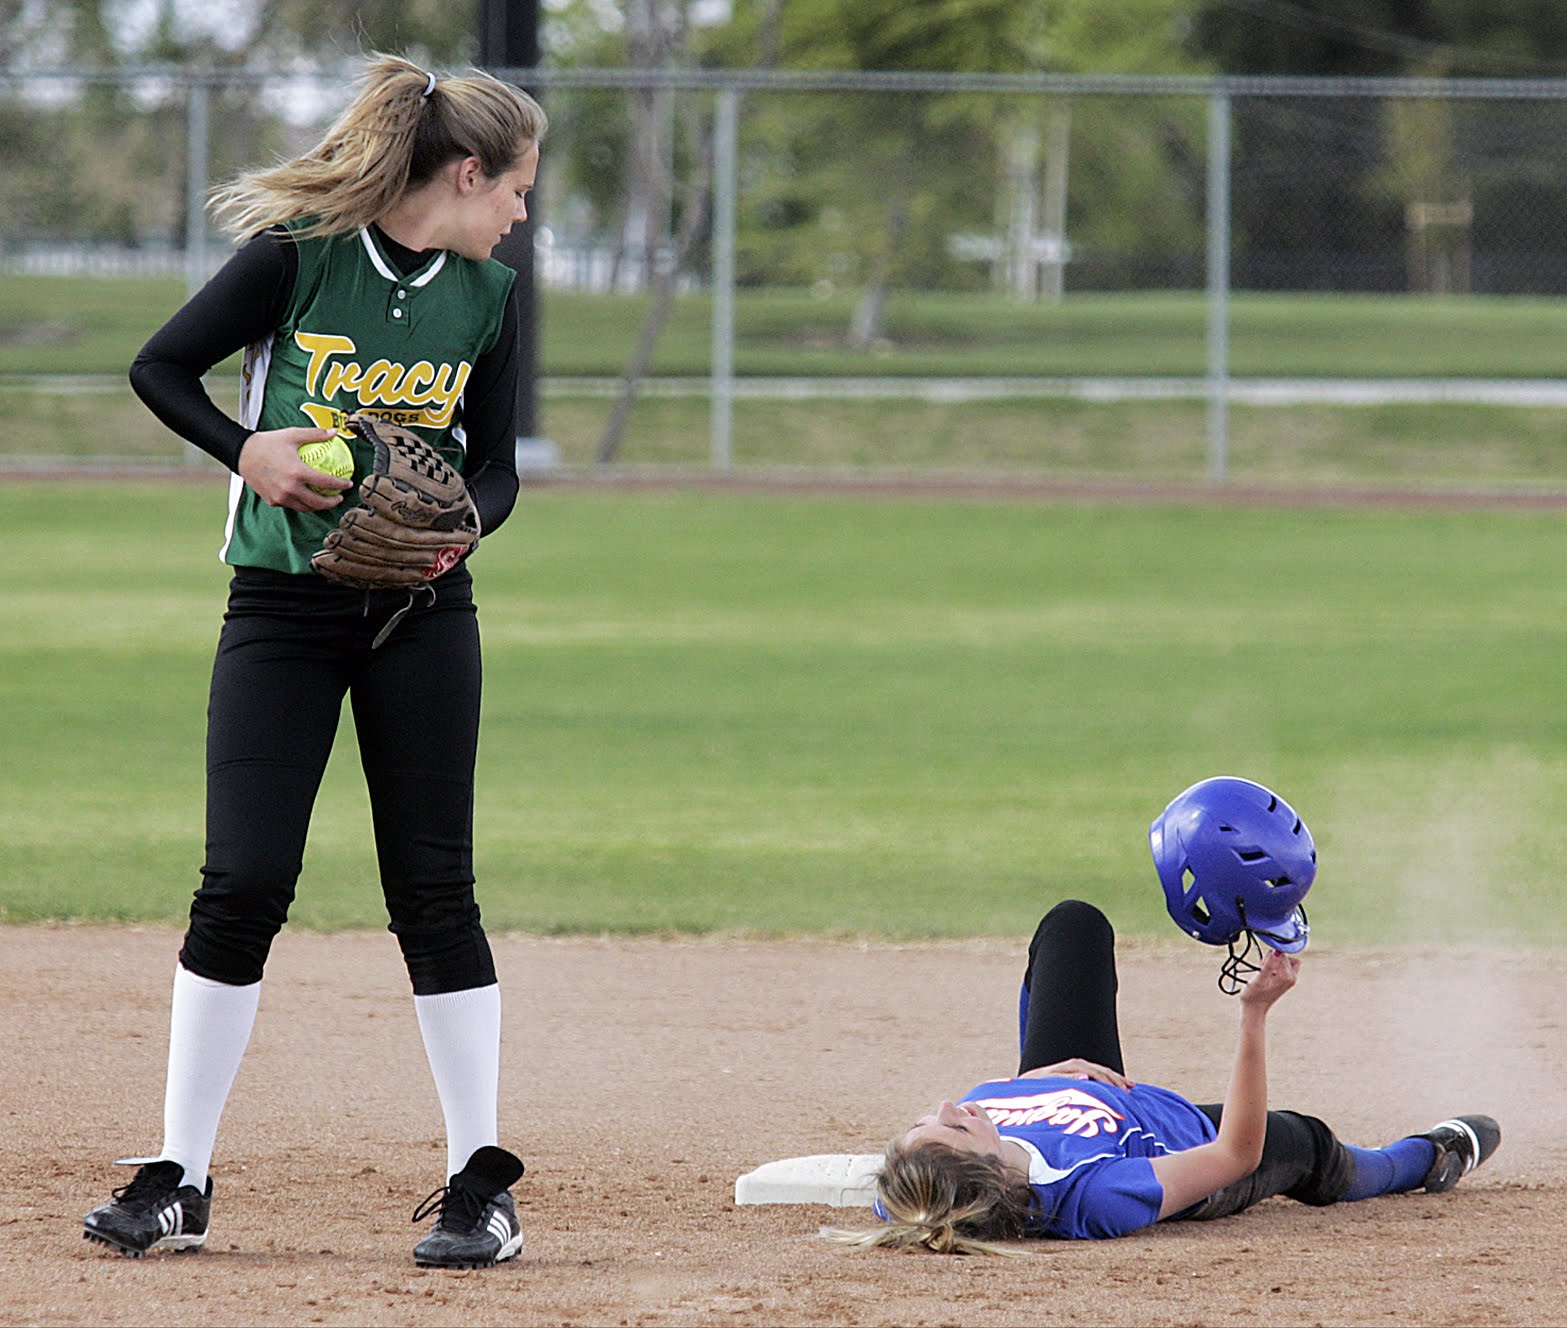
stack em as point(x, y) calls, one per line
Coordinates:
point(1070, 990)
point(291, 648)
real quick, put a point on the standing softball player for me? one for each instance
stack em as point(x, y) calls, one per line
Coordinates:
point(369, 310)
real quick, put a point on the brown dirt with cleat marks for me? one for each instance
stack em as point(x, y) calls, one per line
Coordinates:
point(642, 1076)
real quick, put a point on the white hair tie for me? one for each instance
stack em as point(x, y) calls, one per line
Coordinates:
point(429, 87)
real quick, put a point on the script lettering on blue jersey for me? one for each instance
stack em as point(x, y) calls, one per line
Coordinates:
point(1072, 1110)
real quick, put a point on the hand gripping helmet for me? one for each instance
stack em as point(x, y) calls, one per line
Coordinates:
point(1235, 860)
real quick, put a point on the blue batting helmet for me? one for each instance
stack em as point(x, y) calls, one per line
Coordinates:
point(1234, 858)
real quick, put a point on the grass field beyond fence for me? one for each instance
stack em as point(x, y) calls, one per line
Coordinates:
point(65, 345)
point(1390, 446)
point(846, 716)
point(95, 326)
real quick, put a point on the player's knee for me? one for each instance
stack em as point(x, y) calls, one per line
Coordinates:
point(1077, 919)
point(1330, 1169)
point(442, 938)
point(226, 950)
point(234, 918)
point(251, 885)
point(456, 959)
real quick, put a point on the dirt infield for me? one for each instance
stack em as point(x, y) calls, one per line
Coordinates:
point(641, 1077)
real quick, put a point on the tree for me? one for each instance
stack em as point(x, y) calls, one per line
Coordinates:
point(128, 165)
point(868, 190)
point(1388, 38)
point(626, 151)
point(1393, 193)
point(423, 30)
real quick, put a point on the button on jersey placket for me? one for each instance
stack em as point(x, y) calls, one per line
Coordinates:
point(402, 288)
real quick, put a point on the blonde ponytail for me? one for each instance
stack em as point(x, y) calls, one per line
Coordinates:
point(943, 1200)
point(401, 128)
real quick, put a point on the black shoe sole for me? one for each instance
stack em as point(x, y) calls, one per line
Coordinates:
point(469, 1263)
point(130, 1251)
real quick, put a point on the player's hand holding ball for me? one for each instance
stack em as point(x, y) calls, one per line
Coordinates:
point(274, 464)
point(330, 457)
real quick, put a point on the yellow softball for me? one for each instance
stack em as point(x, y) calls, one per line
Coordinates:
point(332, 457)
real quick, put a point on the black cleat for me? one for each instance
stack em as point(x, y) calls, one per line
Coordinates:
point(153, 1212)
point(1462, 1144)
point(475, 1217)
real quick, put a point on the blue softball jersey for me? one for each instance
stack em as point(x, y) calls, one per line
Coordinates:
point(1090, 1147)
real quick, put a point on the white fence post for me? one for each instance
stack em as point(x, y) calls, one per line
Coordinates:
point(1218, 284)
point(197, 133)
point(725, 185)
point(196, 166)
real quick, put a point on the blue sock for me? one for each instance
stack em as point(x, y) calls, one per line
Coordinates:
point(1400, 1166)
point(1022, 1019)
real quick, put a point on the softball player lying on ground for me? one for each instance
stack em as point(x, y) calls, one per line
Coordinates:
point(1073, 1147)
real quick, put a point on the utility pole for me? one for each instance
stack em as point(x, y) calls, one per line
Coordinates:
point(509, 39)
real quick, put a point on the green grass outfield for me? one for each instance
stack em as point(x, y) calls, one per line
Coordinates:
point(846, 716)
point(95, 325)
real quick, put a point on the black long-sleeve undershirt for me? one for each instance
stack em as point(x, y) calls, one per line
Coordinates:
point(245, 303)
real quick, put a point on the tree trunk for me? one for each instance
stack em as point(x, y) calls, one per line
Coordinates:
point(664, 283)
point(866, 324)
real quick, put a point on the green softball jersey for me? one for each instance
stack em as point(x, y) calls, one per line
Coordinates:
point(358, 335)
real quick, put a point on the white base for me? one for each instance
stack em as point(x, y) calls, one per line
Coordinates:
point(843, 1180)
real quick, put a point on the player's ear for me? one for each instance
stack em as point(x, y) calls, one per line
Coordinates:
point(469, 175)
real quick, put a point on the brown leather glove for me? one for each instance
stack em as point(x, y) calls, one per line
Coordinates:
point(415, 519)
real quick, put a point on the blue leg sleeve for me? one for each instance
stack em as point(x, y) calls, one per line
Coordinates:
point(1392, 1170)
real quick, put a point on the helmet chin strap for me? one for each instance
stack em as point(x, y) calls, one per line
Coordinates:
point(1236, 970)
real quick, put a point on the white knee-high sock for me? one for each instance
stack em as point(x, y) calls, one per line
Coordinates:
point(209, 1028)
point(462, 1038)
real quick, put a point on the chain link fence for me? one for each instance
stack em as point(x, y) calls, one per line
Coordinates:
point(1117, 276)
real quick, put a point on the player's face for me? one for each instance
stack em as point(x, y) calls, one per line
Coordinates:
point(961, 1126)
point(489, 206)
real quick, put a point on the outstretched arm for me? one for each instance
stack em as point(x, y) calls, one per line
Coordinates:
point(1196, 1173)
